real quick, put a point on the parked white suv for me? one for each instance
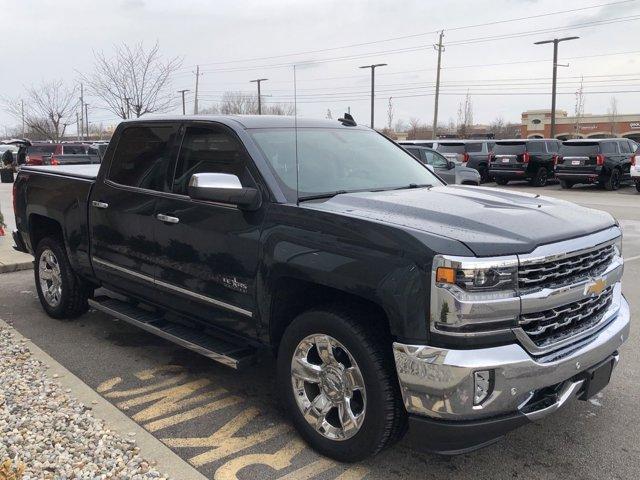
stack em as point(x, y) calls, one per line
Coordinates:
point(634, 170)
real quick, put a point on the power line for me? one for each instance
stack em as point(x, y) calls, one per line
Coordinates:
point(404, 37)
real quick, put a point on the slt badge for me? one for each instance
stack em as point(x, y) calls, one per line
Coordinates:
point(595, 288)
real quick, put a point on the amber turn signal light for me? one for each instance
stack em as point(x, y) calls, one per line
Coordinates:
point(445, 275)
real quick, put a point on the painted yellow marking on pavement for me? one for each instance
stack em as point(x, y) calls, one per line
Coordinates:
point(108, 384)
point(278, 461)
point(168, 400)
point(310, 470)
point(191, 414)
point(153, 372)
point(148, 388)
point(223, 443)
point(356, 472)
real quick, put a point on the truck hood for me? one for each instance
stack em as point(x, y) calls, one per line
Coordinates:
point(488, 221)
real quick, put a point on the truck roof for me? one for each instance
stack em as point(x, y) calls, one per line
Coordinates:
point(251, 121)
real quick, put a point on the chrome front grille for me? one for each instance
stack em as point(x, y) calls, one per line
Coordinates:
point(565, 271)
point(556, 324)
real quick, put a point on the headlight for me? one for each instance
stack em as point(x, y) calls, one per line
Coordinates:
point(471, 296)
point(618, 245)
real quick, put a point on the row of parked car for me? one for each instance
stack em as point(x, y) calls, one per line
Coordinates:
point(608, 161)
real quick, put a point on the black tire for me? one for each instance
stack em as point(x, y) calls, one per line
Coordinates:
point(73, 292)
point(540, 180)
point(502, 180)
point(485, 177)
point(385, 417)
point(612, 182)
point(566, 184)
point(638, 186)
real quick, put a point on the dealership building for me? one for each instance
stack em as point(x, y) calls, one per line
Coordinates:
point(537, 124)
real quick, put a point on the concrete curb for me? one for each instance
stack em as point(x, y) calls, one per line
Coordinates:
point(15, 267)
point(151, 449)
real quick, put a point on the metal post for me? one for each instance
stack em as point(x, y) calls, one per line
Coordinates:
point(195, 101)
point(22, 114)
point(555, 42)
point(183, 107)
point(86, 115)
point(81, 108)
point(259, 81)
point(373, 87)
point(440, 49)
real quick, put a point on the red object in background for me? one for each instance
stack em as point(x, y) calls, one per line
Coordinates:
point(1, 231)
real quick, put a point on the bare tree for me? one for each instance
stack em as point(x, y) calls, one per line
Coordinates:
point(47, 110)
point(329, 114)
point(241, 103)
point(613, 115)
point(579, 109)
point(414, 126)
point(400, 126)
point(390, 114)
point(133, 80)
point(465, 115)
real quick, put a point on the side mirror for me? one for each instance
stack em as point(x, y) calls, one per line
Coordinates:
point(223, 188)
point(450, 165)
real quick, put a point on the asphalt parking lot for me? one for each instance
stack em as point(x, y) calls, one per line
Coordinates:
point(229, 425)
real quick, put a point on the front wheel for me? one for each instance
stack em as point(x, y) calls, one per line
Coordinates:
point(336, 379)
point(502, 180)
point(566, 184)
point(485, 177)
point(61, 292)
point(638, 186)
point(541, 177)
point(613, 180)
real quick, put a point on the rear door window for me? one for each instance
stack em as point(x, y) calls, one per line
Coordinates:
point(552, 147)
point(414, 151)
point(451, 147)
point(474, 147)
point(143, 157)
point(609, 148)
point(74, 149)
point(579, 149)
point(625, 147)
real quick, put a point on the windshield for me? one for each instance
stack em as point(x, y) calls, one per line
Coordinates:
point(339, 160)
point(577, 149)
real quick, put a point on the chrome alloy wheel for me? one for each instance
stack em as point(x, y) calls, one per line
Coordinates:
point(328, 387)
point(50, 278)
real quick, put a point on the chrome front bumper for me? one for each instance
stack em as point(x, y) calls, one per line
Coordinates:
point(439, 383)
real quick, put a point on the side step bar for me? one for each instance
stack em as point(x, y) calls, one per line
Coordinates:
point(222, 351)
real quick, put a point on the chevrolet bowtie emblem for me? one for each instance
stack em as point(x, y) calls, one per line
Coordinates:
point(595, 288)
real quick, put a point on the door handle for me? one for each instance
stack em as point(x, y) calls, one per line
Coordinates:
point(166, 218)
point(99, 204)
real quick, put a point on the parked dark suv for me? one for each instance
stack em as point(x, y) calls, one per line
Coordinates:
point(604, 161)
point(527, 159)
point(471, 153)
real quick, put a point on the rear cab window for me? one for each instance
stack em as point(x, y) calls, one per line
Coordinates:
point(143, 157)
point(579, 149)
point(509, 148)
point(41, 149)
point(458, 147)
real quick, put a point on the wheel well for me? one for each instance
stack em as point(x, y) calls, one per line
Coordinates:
point(293, 296)
point(41, 227)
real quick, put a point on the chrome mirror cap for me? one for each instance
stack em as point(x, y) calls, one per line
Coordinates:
point(214, 180)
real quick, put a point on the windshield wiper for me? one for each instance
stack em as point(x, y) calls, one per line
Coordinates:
point(405, 187)
point(320, 196)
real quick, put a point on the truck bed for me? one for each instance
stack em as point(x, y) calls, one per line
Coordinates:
point(79, 171)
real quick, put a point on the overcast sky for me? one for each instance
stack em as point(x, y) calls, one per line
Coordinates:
point(50, 39)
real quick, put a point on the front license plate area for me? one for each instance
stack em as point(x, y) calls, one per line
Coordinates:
point(596, 378)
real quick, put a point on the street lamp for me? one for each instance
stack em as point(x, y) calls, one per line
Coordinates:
point(373, 84)
point(258, 81)
point(555, 42)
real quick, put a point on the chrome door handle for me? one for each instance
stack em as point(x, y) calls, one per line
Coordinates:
point(166, 218)
point(99, 204)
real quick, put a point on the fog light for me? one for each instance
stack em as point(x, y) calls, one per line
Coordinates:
point(483, 385)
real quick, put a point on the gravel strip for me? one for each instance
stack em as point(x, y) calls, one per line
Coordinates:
point(46, 434)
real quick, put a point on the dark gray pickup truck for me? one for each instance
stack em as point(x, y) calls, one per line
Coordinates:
point(393, 302)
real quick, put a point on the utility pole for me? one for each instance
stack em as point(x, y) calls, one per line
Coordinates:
point(81, 108)
point(195, 101)
point(258, 81)
point(440, 48)
point(183, 107)
point(373, 86)
point(22, 115)
point(78, 126)
point(555, 42)
point(86, 115)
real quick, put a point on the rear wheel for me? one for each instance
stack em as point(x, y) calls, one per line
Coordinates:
point(502, 180)
point(484, 174)
point(566, 184)
point(638, 186)
point(336, 379)
point(612, 182)
point(61, 292)
point(541, 177)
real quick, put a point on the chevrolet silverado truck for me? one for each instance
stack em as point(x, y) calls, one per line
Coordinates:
point(395, 304)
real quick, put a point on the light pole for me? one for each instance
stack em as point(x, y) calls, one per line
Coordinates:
point(183, 108)
point(258, 81)
point(373, 85)
point(555, 42)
